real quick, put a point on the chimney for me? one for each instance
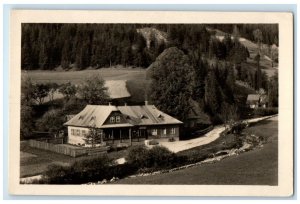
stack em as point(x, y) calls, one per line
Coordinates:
point(109, 103)
point(146, 103)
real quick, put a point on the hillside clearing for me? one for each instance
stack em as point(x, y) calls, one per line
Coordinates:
point(77, 77)
point(121, 82)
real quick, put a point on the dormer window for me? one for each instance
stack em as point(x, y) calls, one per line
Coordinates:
point(112, 119)
point(143, 116)
point(80, 117)
point(159, 116)
point(93, 117)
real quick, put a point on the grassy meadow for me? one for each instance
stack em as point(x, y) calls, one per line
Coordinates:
point(77, 77)
point(135, 79)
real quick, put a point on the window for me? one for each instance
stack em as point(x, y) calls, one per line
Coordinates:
point(72, 132)
point(78, 132)
point(112, 119)
point(173, 130)
point(83, 132)
point(154, 131)
point(118, 119)
point(165, 131)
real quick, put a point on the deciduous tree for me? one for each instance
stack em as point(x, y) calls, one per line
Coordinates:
point(93, 90)
point(172, 83)
point(68, 90)
point(41, 91)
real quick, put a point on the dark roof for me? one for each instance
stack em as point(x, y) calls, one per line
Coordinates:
point(96, 115)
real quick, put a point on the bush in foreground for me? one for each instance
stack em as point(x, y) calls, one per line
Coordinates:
point(155, 158)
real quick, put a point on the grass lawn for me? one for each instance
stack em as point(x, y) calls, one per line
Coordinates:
point(256, 167)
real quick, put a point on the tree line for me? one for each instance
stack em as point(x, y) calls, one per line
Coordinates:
point(269, 32)
point(48, 46)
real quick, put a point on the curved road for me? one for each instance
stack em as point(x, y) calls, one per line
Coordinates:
point(256, 167)
point(209, 137)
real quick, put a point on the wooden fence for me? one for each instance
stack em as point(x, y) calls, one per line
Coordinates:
point(68, 150)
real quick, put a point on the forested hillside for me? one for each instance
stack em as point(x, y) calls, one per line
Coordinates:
point(269, 32)
point(48, 46)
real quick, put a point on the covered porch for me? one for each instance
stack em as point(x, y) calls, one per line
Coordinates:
point(127, 135)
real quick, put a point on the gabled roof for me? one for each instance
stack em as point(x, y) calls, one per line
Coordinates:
point(96, 115)
point(91, 116)
point(147, 115)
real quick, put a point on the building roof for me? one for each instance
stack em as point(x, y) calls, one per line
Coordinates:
point(147, 115)
point(91, 116)
point(253, 97)
point(117, 89)
point(96, 115)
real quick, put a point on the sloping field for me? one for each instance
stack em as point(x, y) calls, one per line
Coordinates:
point(117, 79)
point(76, 77)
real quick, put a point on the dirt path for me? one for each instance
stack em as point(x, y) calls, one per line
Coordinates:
point(209, 137)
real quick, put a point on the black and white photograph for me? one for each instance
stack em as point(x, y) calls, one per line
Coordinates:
point(150, 103)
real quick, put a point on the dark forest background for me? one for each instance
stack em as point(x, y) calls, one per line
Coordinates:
point(48, 46)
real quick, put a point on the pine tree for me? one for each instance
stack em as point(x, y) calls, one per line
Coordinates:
point(258, 81)
point(93, 90)
point(212, 93)
point(94, 136)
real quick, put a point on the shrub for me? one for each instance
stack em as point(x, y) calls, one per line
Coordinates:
point(137, 155)
point(122, 170)
point(79, 172)
point(156, 158)
point(238, 127)
point(52, 121)
point(160, 157)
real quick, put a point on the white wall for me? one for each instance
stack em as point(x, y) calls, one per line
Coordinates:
point(74, 139)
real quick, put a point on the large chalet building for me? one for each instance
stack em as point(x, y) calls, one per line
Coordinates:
point(122, 124)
